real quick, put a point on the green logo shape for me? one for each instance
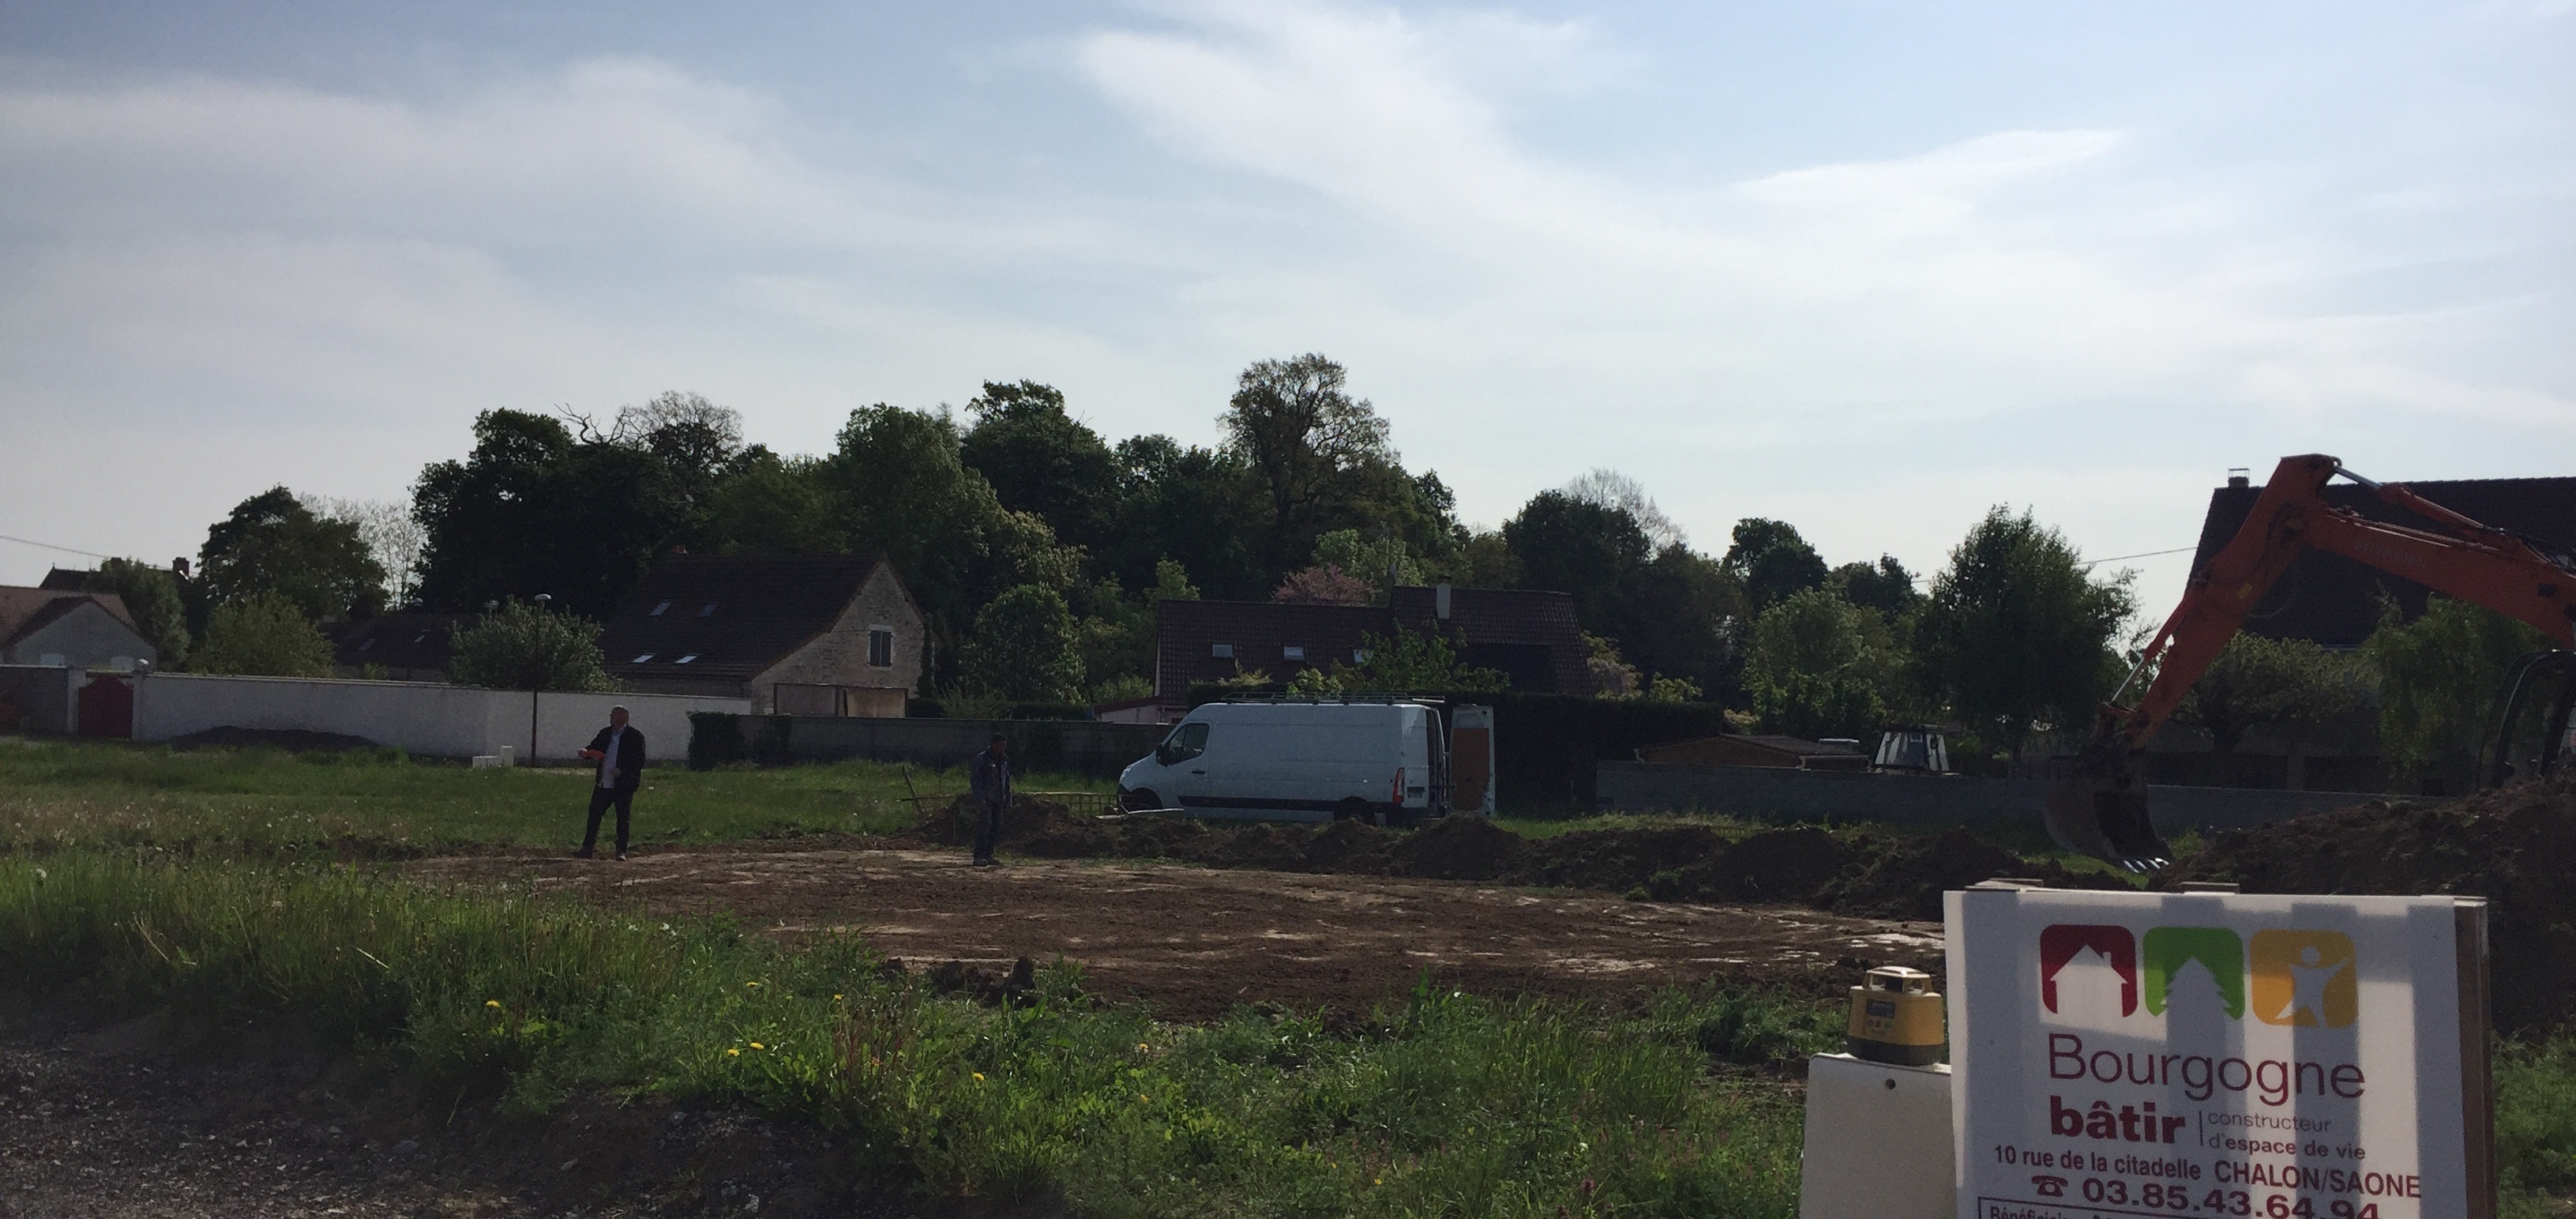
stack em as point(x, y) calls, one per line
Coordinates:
point(2217, 949)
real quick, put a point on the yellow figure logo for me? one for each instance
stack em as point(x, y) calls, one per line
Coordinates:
point(2304, 978)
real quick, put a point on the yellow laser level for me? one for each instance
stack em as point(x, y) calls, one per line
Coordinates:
point(1895, 1017)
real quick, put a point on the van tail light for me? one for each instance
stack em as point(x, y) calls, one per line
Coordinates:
point(1396, 796)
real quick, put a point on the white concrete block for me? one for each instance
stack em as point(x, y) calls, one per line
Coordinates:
point(1878, 1142)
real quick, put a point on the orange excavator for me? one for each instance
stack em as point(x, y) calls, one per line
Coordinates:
point(2102, 811)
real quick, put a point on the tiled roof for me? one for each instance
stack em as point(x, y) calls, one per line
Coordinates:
point(24, 609)
point(730, 617)
point(2334, 600)
point(1530, 635)
point(396, 641)
point(66, 579)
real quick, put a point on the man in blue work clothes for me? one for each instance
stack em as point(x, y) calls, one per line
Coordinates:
point(989, 779)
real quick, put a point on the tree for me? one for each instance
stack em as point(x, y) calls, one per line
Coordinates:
point(1479, 560)
point(523, 647)
point(272, 543)
point(151, 596)
point(1403, 662)
point(1680, 618)
point(2257, 681)
point(1041, 460)
point(1321, 457)
point(1023, 648)
point(393, 538)
point(1818, 666)
point(768, 505)
point(532, 510)
point(900, 488)
point(1324, 584)
point(1579, 548)
point(1887, 587)
point(1771, 561)
point(2016, 632)
point(1612, 489)
point(264, 634)
point(1194, 506)
point(2439, 677)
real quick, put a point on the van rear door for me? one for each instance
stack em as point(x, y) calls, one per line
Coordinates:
point(1471, 760)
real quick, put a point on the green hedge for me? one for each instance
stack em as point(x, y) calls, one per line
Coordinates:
point(1548, 745)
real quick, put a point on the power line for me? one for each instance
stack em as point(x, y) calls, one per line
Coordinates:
point(2145, 555)
point(50, 546)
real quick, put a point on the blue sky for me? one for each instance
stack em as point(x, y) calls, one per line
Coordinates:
point(1869, 268)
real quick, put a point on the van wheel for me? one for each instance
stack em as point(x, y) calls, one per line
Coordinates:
point(1355, 809)
point(1142, 799)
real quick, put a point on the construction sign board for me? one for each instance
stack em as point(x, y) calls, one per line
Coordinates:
point(2205, 1054)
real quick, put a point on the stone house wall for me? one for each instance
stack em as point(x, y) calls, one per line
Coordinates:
point(839, 656)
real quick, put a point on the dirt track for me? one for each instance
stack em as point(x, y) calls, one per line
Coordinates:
point(1195, 942)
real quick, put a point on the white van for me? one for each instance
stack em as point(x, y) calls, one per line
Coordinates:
point(1381, 761)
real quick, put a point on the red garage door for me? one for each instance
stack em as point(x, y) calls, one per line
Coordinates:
point(107, 707)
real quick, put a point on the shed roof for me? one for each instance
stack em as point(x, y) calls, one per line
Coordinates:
point(727, 616)
point(2335, 601)
point(396, 641)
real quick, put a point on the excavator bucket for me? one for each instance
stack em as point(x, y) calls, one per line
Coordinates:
point(2106, 818)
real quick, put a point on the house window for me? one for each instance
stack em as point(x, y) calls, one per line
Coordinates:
point(686, 659)
point(421, 636)
point(1359, 656)
point(881, 648)
point(707, 609)
point(1221, 651)
point(1292, 652)
point(641, 659)
point(656, 611)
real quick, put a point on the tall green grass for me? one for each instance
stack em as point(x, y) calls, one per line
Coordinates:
point(2536, 1125)
point(1447, 1105)
point(60, 794)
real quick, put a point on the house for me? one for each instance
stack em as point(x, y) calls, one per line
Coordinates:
point(1528, 634)
point(826, 635)
point(51, 626)
point(2335, 601)
point(395, 647)
point(1782, 752)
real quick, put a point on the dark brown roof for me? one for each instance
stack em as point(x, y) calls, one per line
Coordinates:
point(720, 616)
point(2335, 601)
point(66, 579)
point(1531, 636)
point(23, 609)
point(396, 641)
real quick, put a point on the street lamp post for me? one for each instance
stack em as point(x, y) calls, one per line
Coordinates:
point(535, 680)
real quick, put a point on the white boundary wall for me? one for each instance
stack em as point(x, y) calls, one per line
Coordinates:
point(420, 717)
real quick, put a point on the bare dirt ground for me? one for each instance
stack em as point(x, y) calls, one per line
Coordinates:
point(1195, 942)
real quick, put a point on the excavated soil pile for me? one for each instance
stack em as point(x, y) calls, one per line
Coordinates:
point(1875, 874)
point(292, 740)
point(2511, 846)
point(1028, 817)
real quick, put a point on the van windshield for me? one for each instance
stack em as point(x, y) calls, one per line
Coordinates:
point(1186, 742)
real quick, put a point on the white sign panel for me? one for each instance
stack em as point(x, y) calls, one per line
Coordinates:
point(2150, 1054)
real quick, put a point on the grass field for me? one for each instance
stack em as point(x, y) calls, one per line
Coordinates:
point(138, 879)
point(69, 794)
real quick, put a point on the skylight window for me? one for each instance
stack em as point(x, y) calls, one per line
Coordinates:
point(367, 644)
point(641, 659)
point(686, 659)
point(657, 610)
point(708, 608)
point(1292, 651)
point(1221, 651)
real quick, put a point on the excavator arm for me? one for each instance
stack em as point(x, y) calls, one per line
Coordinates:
point(2103, 810)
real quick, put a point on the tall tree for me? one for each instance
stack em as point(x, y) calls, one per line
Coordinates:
point(532, 510)
point(1041, 460)
point(1820, 666)
point(1682, 617)
point(272, 543)
point(1886, 587)
point(2017, 632)
point(2257, 682)
point(1197, 507)
point(1024, 648)
point(1580, 548)
point(1772, 561)
point(769, 505)
point(1313, 446)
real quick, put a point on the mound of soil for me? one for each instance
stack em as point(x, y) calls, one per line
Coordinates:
point(292, 740)
point(2511, 846)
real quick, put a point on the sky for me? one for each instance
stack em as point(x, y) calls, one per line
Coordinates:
point(1870, 268)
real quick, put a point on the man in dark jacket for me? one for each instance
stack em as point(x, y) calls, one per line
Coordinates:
point(990, 781)
point(619, 750)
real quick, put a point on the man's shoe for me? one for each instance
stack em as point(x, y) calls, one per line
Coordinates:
point(621, 857)
point(585, 853)
point(983, 863)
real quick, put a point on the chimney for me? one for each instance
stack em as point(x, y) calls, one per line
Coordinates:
point(1440, 601)
point(2236, 477)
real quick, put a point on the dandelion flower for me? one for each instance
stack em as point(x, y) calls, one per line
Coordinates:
point(751, 983)
point(1141, 1047)
point(757, 1046)
point(733, 1053)
point(836, 998)
point(491, 1003)
point(979, 1077)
